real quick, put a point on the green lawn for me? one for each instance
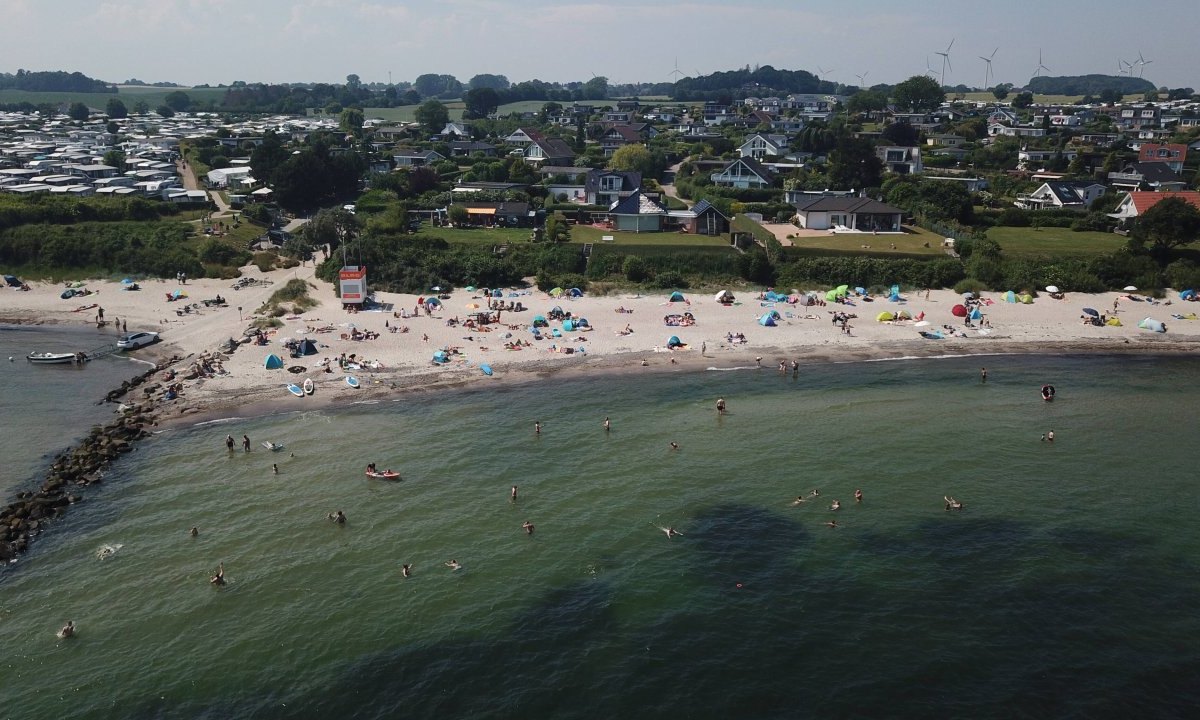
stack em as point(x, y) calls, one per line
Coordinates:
point(480, 236)
point(1054, 242)
point(579, 234)
point(912, 242)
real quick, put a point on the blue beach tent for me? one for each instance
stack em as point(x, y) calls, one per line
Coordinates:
point(273, 362)
point(767, 320)
point(441, 357)
point(674, 342)
point(677, 297)
point(1187, 295)
point(1010, 297)
point(575, 292)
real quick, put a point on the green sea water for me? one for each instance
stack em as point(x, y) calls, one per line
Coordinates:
point(1066, 587)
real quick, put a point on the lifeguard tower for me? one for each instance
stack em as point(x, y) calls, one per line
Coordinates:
point(352, 286)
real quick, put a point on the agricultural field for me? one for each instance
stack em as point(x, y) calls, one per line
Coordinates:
point(1054, 242)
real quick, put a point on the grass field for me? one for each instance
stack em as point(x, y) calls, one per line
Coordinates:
point(912, 242)
point(579, 234)
point(1054, 242)
point(129, 94)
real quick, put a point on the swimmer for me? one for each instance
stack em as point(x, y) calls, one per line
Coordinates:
point(1050, 436)
point(527, 527)
point(338, 517)
point(68, 630)
point(831, 523)
point(858, 496)
point(951, 503)
point(814, 493)
point(982, 375)
point(246, 443)
point(219, 578)
point(274, 469)
point(1043, 437)
point(837, 505)
point(229, 443)
point(799, 500)
point(194, 531)
point(537, 427)
point(670, 531)
point(607, 425)
point(513, 495)
point(674, 445)
point(452, 564)
point(406, 570)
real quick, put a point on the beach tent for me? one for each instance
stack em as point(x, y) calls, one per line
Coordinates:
point(674, 342)
point(1026, 299)
point(432, 302)
point(1113, 321)
point(556, 292)
point(176, 294)
point(724, 297)
point(306, 347)
point(903, 315)
point(959, 311)
point(885, 316)
point(767, 320)
point(1152, 325)
point(772, 296)
point(540, 321)
point(575, 292)
point(831, 296)
point(774, 314)
point(273, 362)
point(1185, 295)
point(860, 291)
point(581, 322)
point(1010, 297)
point(677, 297)
point(568, 326)
point(441, 357)
point(843, 290)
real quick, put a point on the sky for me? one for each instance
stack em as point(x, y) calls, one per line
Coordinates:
point(219, 41)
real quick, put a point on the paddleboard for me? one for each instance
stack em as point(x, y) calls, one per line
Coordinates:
point(352, 381)
point(309, 386)
point(295, 389)
point(384, 475)
point(487, 369)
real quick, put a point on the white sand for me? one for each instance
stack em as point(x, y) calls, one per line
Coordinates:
point(805, 334)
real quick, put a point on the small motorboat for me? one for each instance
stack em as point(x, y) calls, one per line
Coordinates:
point(352, 381)
point(383, 474)
point(272, 446)
point(295, 389)
point(309, 386)
point(46, 358)
point(1048, 393)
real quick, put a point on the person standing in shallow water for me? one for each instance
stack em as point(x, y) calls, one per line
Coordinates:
point(982, 375)
point(720, 406)
point(229, 443)
point(246, 443)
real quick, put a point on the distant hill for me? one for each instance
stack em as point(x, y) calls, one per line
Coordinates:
point(1089, 85)
point(760, 81)
point(55, 81)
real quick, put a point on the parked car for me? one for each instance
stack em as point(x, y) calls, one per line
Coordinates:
point(132, 341)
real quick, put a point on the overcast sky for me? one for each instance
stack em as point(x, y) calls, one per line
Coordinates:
point(219, 41)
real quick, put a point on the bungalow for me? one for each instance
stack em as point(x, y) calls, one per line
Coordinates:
point(509, 214)
point(618, 136)
point(1003, 116)
point(972, 184)
point(995, 129)
point(411, 157)
point(605, 187)
point(848, 213)
point(900, 160)
point(637, 213)
point(1062, 195)
point(1040, 157)
point(1136, 203)
point(944, 140)
point(466, 148)
point(455, 130)
point(221, 177)
point(521, 137)
point(760, 146)
point(744, 173)
point(1147, 176)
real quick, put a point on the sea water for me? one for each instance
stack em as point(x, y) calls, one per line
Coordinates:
point(1066, 586)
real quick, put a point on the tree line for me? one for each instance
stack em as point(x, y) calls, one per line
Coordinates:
point(53, 81)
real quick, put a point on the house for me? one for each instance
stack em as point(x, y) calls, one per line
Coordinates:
point(1146, 176)
point(1040, 157)
point(1136, 203)
point(222, 177)
point(995, 129)
point(1174, 155)
point(411, 157)
point(495, 214)
point(605, 187)
point(1136, 117)
point(716, 114)
point(548, 150)
point(1062, 195)
point(521, 137)
point(701, 219)
point(744, 173)
point(1003, 116)
point(760, 146)
point(619, 135)
point(637, 213)
point(1068, 121)
point(466, 148)
point(455, 130)
point(944, 140)
point(972, 184)
point(848, 213)
point(900, 160)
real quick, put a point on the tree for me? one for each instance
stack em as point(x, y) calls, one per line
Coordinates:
point(458, 215)
point(353, 81)
point(165, 111)
point(918, 93)
point(331, 227)
point(141, 107)
point(1022, 100)
point(558, 229)
point(112, 128)
point(853, 164)
point(178, 101)
point(1000, 92)
point(480, 102)
point(1170, 223)
point(432, 116)
point(867, 101)
point(351, 121)
point(115, 158)
point(484, 80)
point(78, 111)
point(901, 133)
point(634, 158)
point(595, 89)
point(115, 109)
point(432, 85)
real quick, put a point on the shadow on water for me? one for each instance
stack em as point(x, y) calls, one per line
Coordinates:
point(959, 617)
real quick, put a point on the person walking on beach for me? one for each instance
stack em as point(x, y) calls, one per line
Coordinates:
point(703, 348)
point(246, 443)
point(229, 443)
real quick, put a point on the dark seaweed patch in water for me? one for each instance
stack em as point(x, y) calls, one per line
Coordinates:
point(974, 623)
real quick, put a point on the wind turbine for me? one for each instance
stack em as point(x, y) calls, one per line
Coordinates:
point(676, 72)
point(862, 79)
point(1142, 62)
point(987, 73)
point(1121, 67)
point(1040, 67)
point(824, 73)
point(929, 71)
point(946, 60)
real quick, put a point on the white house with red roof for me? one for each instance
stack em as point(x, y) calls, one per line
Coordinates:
point(1136, 203)
point(1174, 155)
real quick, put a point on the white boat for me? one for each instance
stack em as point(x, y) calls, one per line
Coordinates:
point(45, 358)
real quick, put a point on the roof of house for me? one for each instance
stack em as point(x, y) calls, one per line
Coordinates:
point(824, 203)
point(1069, 192)
point(501, 208)
point(470, 145)
point(630, 180)
point(1149, 152)
point(705, 206)
point(1143, 201)
point(637, 204)
point(553, 147)
point(1153, 172)
point(753, 166)
point(627, 133)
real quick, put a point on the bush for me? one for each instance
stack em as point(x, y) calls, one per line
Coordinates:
point(1182, 275)
point(969, 285)
point(634, 268)
point(221, 272)
point(670, 280)
point(264, 261)
point(1013, 217)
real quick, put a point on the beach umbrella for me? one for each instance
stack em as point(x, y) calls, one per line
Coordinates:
point(1130, 288)
point(959, 310)
point(1051, 288)
point(1091, 311)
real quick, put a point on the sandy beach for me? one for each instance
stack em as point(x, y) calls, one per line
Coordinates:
point(632, 341)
